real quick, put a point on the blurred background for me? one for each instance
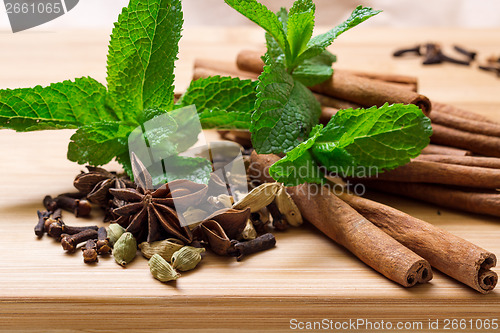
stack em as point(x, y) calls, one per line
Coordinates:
point(401, 13)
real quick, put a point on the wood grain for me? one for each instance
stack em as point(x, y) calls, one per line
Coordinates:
point(305, 277)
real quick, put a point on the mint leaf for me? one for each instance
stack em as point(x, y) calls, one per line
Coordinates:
point(220, 92)
point(98, 143)
point(274, 51)
point(266, 19)
point(298, 166)
point(283, 17)
point(319, 43)
point(381, 138)
point(222, 102)
point(315, 70)
point(300, 26)
point(142, 52)
point(285, 111)
point(66, 104)
point(222, 119)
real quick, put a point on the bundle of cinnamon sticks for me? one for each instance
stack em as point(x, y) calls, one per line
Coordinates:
point(395, 244)
point(460, 169)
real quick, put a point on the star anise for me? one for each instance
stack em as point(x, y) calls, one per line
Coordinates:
point(96, 184)
point(150, 214)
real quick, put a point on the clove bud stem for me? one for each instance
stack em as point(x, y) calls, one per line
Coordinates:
point(415, 49)
point(470, 54)
point(261, 243)
point(40, 226)
point(69, 242)
point(58, 228)
point(80, 207)
point(279, 222)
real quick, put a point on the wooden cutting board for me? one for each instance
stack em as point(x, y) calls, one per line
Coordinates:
point(306, 277)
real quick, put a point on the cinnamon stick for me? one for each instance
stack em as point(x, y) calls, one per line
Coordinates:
point(410, 81)
point(486, 202)
point(476, 143)
point(453, 110)
point(335, 102)
point(350, 87)
point(420, 171)
point(473, 161)
point(452, 255)
point(468, 125)
point(225, 68)
point(344, 225)
point(201, 72)
point(444, 150)
point(369, 92)
point(326, 114)
point(251, 61)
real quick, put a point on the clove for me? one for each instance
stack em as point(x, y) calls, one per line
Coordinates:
point(102, 244)
point(454, 61)
point(470, 54)
point(261, 243)
point(49, 203)
point(90, 252)
point(70, 242)
point(257, 222)
point(415, 50)
point(40, 226)
point(58, 228)
point(56, 217)
point(80, 207)
point(432, 54)
point(279, 221)
point(493, 69)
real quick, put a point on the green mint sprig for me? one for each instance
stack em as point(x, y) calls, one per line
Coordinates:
point(357, 143)
point(140, 86)
point(286, 113)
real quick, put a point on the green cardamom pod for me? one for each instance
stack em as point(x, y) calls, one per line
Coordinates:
point(187, 258)
point(164, 248)
point(114, 232)
point(125, 249)
point(161, 269)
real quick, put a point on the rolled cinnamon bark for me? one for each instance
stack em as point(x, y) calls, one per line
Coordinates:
point(251, 61)
point(410, 81)
point(476, 143)
point(473, 161)
point(453, 110)
point(369, 92)
point(468, 125)
point(326, 114)
point(225, 68)
point(347, 86)
point(335, 102)
point(444, 150)
point(419, 171)
point(344, 225)
point(201, 72)
point(486, 202)
point(452, 255)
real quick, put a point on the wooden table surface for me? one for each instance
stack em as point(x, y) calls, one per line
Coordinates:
point(306, 276)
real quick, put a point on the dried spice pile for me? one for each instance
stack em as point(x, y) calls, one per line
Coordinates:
point(145, 219)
